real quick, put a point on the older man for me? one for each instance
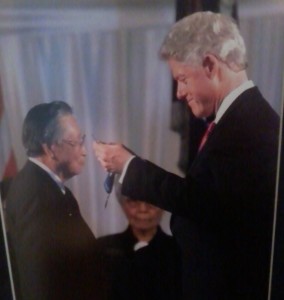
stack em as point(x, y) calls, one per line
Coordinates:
point(223, 209)
point(53, 250)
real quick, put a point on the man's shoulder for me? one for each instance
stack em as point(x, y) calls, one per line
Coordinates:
point(23, 182)
point(29, 185)
point(249, 116)
point(29, 178)
point(252, 103)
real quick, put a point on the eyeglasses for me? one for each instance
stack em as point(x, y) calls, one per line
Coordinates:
point(79, 143)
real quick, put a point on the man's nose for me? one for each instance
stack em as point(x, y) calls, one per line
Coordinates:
point(180, 93)
point(143, 206)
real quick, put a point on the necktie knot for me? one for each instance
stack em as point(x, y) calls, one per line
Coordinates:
point(209, 129)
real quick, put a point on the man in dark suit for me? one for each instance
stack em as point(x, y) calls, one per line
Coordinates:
point(142, 262)
point(53, 251)
point(223, 209)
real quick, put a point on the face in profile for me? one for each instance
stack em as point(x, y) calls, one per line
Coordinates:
point(141, 215)
point(69, 150)
point(195, 86)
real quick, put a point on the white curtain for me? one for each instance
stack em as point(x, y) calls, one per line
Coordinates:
point(262, 27)
point(104, 63)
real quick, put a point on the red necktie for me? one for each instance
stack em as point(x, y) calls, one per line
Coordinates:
point(206, 134)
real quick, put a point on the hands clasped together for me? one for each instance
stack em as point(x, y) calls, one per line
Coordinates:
point(111, 156)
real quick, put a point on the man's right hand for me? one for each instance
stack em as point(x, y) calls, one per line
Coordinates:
point(112, 156)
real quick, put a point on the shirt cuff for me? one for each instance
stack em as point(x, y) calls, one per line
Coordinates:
point(121, 178)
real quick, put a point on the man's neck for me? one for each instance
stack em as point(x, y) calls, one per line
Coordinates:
point(50, 165)
point(230, 80)
point(144, 235)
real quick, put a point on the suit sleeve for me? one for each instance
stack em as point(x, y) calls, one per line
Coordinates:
point(148, 182)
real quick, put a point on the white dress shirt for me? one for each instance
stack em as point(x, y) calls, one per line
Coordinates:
point(57, 180)
point(231, 97)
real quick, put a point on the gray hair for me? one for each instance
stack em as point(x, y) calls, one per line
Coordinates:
point(191, 38)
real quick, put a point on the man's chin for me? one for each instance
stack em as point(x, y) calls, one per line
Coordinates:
point(73, 173)
point(200, 114)
point(194, 109)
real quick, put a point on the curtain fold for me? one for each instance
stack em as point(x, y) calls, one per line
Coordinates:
point(264, 37)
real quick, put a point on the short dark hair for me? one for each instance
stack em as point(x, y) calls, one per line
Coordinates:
point(41, 125)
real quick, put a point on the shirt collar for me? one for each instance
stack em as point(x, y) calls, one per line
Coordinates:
point(57, 180)
point(231, 97)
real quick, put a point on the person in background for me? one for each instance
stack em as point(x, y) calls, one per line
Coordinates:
point(142, 262)
point(53, 251)
point(223, 209)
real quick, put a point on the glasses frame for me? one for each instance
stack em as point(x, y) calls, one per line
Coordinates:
point(75, 143)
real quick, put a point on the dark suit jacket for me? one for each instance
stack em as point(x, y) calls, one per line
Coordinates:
point(223, 209)
point(53, 250)
point(150, 273)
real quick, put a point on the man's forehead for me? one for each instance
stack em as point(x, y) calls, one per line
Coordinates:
point(179, 68)
point(70, 125)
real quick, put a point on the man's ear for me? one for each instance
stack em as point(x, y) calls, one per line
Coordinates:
point(48, 150)
point(210, 65)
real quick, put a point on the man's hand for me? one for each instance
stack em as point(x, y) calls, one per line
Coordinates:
point(111, 156)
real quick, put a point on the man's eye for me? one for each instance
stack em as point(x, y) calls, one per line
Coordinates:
point(183, 81)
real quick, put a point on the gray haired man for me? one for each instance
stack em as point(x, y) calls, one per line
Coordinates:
point(223, 208)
